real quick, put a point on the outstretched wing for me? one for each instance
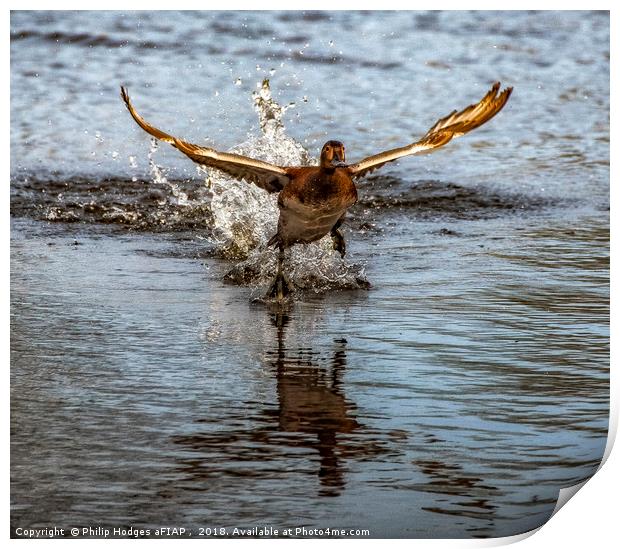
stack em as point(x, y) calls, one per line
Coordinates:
point(267, 176)
point(445, 129)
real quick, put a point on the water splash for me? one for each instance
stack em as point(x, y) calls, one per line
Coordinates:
point(270, 112)
point(312, 267)
point(178, 198)
point(245, 216)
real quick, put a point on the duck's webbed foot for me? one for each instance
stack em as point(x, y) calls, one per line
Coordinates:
point(280, 288)
point(338, 242)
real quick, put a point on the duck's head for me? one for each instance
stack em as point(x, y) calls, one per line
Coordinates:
point(332, 155)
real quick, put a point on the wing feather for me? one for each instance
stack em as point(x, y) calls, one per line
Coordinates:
point(267, 176)
point(457, 123)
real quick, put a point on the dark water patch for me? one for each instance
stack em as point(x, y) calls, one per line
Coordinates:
point(447, 232)
point(140, 205)
point(533, 25)
point(507, 46)
point(438, 65)
point(58, 37)
point(241, 30)
point(309, 16)
point(576, 94)
point(430, 198)
point(88, 40)
point(332, 59)
point(295, 39)
point(386, 65)
point(428, 21)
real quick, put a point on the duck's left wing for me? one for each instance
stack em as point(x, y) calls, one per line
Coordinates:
point(267, 176)
point(454, 125)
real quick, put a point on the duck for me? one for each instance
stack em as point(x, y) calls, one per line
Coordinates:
point(313, 200)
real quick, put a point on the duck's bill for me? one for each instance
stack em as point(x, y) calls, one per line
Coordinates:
point(338, 164)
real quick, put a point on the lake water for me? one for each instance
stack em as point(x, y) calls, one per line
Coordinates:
point(445, 380)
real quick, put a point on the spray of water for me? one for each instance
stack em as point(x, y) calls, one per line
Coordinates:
point(179, 198)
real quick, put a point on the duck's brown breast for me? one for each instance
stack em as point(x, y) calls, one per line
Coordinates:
point(320, 189)
point(311, 204)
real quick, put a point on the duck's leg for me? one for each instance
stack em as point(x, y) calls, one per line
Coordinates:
point(338, 239)
point(281, 287)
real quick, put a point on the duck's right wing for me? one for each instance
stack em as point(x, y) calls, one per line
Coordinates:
point(270, 177)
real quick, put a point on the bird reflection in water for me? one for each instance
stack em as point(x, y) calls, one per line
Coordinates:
point(311, 429)
point(311, 401)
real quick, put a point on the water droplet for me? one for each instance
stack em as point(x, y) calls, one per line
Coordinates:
point(272, 72)
point(238, 82)
point(114, 155)
point(331, 43)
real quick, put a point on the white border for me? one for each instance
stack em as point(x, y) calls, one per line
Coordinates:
point(587, 520)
